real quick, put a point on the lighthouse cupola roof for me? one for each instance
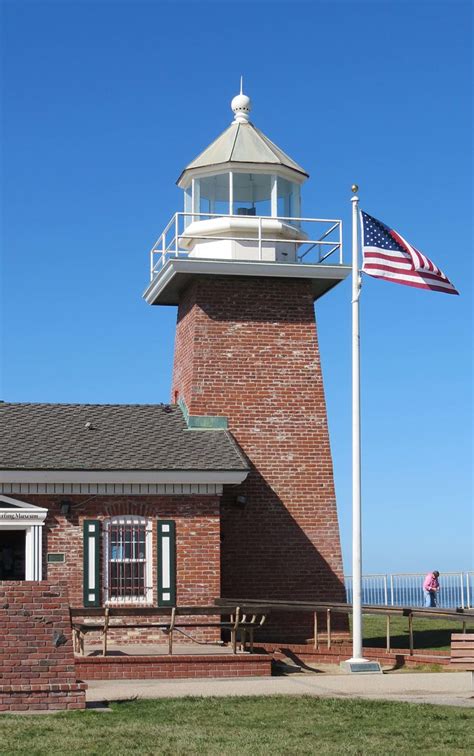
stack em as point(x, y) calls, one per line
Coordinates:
point(242, 147)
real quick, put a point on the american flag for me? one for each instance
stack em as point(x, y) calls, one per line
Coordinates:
point(388, 255)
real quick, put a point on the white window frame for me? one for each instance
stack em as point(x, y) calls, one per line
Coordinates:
point(129, 520)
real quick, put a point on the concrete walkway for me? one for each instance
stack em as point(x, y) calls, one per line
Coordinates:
point(447, 688)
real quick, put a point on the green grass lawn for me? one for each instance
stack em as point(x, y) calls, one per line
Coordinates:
point(277, 724)
point(435, 634)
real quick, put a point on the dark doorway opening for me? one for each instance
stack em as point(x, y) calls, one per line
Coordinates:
point(12, 554)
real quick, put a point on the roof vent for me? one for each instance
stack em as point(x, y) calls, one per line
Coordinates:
point(89, 426)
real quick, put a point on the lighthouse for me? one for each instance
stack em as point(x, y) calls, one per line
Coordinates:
point(244, 265)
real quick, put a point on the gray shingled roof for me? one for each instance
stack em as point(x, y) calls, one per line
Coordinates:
point(121, 437)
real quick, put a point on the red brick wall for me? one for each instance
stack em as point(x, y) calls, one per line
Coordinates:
point(197, 538)
point(172, 667)
point(247, 349)
point(35, 673)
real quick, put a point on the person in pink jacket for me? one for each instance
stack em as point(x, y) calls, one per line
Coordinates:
point(431, 588)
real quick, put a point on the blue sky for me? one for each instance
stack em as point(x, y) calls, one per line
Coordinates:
point(103, 105)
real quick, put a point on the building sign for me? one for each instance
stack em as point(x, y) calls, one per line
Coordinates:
point(21, 515)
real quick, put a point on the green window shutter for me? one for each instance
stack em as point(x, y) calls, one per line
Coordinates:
point(91, 579)
point(166, 563)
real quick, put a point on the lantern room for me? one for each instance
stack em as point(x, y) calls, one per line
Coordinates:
point(242, 216)
point(242, 196)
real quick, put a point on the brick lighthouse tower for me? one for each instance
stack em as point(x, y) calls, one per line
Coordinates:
point(244, 268)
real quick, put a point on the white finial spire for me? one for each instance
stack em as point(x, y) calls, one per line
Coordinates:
point(241, 105)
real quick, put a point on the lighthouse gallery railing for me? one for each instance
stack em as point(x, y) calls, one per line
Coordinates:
point(315, 251)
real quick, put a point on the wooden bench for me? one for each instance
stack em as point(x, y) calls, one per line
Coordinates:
point(462, 652)
point(102, 619)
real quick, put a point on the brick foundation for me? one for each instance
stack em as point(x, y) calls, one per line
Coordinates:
point(247, 349)
point(172, 667)
point(42, 697)
point(305, 654)
point(37, 668)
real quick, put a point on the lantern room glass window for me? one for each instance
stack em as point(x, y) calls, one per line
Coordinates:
point(252, 194)
point(237, 193)
point(288, 199)
point(212, 194)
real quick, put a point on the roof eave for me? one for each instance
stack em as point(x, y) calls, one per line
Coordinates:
point(43, 475)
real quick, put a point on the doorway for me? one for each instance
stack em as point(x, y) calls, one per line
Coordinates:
point(12, 554)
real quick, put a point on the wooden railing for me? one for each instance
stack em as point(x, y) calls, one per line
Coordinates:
point(330, 608)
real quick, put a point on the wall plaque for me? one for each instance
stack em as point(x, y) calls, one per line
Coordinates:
point(55, 558)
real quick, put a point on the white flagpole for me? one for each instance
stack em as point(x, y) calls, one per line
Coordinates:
point(356, 477)
point(357, 663)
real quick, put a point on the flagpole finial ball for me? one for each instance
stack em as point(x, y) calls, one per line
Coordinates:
point(355, 188)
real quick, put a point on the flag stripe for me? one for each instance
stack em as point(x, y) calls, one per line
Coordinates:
point(417, 284)
point(417, 259)
point(411, 276)
point(385, 259)
point(367, 267)
point(392, 255)
point(422, 262)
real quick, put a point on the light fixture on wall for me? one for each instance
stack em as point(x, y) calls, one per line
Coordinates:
point(65, 508)
point(241, 500)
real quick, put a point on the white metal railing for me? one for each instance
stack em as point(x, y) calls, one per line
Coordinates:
point(174, 239)
point(406, 589)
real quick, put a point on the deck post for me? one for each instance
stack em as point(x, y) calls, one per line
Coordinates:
point(171, 629)
point(106, 627)
point(234, 630)
point(328, 626)
point(316, 639)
